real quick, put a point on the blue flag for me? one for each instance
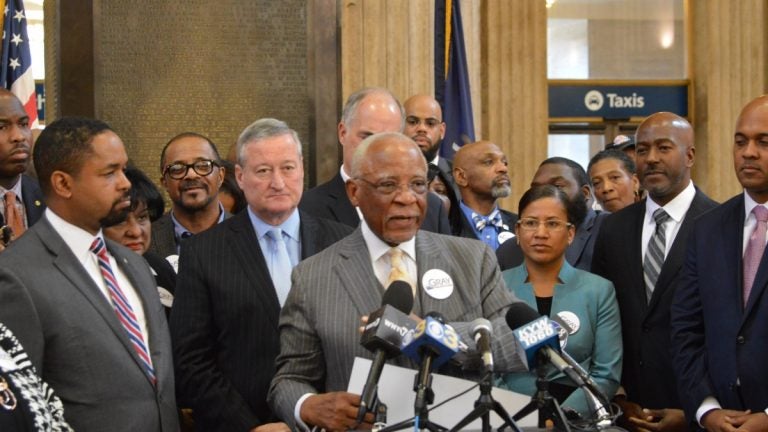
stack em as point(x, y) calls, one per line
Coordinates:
point(452, 78)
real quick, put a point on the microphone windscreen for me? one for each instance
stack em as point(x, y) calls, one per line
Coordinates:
point(520, 314)
point(481, 323)
point(399, 295)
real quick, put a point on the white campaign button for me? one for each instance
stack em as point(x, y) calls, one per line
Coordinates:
point(571, 320)
point(505, 235)
point(173, 260)
point(437, 283)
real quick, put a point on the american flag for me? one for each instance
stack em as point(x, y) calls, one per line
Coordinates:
point(16, 61)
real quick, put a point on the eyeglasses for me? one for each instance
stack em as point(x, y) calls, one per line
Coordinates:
point(388, 187)
point(551, 225)
point(178, 170)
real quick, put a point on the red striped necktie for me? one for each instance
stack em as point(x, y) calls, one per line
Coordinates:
point(123, 309)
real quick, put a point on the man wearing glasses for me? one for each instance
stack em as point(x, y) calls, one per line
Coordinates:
point(192, 175)
point(455, 277)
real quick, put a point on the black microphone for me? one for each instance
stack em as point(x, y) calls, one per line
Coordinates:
point(481, 333)
point(432, 343)
point(383, 335)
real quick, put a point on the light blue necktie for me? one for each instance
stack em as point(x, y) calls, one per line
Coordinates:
point(281, 265)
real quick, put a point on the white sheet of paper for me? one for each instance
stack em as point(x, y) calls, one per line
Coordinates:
point(396, 391)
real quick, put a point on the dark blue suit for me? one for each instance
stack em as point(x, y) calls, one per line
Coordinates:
point(719, 347)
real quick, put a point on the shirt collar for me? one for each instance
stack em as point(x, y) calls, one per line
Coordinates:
point(16, 189)
point(377, 247)
point(468, 212)
point(750, 204)
point(77, 239)
point(343, 173)
point(179, 229)
point(290, 226)
point(677, 208)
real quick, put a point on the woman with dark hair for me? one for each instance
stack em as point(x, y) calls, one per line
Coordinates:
point(230, 194)
point(585, 302)
point(613, 178)
point(135, 232)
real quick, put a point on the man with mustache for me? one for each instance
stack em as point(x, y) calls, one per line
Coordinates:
point(570, 177)
point(192, 174)
point(720, 309)
point(22, 200)
point(85, 308)
point(481, 174)
point(641, 249)
point(319, 336)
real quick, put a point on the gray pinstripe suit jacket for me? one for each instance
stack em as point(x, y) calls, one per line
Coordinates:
point(333, 289)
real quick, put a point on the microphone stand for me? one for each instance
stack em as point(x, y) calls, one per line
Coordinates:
point(549, 408)
point(422, 385)
point(483, 407)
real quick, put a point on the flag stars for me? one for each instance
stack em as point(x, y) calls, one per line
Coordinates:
point(16, 39)
point(14, 63)
point(19, 15)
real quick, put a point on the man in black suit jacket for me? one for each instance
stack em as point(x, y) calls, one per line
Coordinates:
point(665, 155)
point(15, 153)
point(230, 291)
point(367, 112)
point(481, 175)
point(192, 174)
point(569, 176)
point(719, 324)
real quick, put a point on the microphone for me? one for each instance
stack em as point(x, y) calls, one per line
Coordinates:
point(432, 339)
point(382, 336)
point(540, 339)
point(482, 332)
point(432, 343)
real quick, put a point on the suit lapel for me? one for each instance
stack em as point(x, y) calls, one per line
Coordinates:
point(341, 207)
point(635, 264)
point(248, 251)
point(356, 273)
point(673, 263)
point(32, 197)
point(145, 290)
point(310, 233)
point(576, 248)
point(79, 278)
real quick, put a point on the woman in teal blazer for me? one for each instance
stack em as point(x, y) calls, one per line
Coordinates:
point(585, 302)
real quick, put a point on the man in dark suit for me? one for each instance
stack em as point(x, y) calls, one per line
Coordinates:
point(17, 190)
point(192, 174)
point(571, 178)
point(719, 318)
point(319, 336)
point(641, 249)
point(481, 174)
point(367, 112)
point(232, 284)
point(424, 124)
point(89, 316)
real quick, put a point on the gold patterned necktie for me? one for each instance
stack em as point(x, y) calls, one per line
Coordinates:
point(398, 270)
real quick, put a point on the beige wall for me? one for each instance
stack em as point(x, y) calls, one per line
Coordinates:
point(389, 43)
point(729, 67)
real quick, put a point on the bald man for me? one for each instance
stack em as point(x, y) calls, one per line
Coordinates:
point(481, 174)
point(719, 318)
point(641, 250)
point(368, 111)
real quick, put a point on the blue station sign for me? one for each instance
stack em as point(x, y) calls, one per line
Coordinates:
point(579, 100)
